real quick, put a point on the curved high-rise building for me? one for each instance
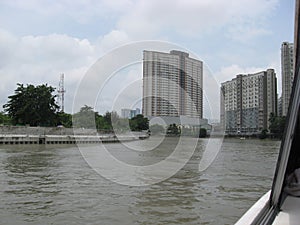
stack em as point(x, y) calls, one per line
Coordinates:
point(172, 84)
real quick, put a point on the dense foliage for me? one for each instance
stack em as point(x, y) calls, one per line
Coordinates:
point(173, 129)
point(4, 119)
point(263, 134)
point(109, 122)
point(33, 105)
point(85, 118)
point(202, 133)
point(64, 119)
point(277, 124)
point(139, 123)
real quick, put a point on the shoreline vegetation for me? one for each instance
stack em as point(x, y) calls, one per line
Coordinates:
point(36, 106)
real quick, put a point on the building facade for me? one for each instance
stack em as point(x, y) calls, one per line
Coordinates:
point(134, 112)
point(279, 107)
point(287, 73)
point(125, 113)
point(172, 84)
point(130, 113)
point(247, 102)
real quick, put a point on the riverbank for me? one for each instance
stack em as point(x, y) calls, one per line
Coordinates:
point(255, 136)
point(59, 135)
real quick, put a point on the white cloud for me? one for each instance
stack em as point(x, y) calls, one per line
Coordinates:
point(7, 47)
point(61, 50)
point(195, 18)
point(41, 59)
point(245, 34)
point(229, 72)
point(123, 89)
point(82, 11)
point(112, 40)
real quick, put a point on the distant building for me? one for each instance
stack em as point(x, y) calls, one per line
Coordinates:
point(247, 101)
point(130, 113)
point(172, 84)
point(287, 73)
point(134, 112)
point(137, 111)
point(125, 113)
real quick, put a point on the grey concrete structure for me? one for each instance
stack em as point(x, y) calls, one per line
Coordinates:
point(60, 135)
point(247, 102)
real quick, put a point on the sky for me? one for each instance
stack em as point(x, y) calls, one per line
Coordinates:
point(41, 39)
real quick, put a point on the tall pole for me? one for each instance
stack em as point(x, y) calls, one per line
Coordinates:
point(61, 91)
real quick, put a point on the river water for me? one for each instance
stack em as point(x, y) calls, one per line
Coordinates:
point(54, 185)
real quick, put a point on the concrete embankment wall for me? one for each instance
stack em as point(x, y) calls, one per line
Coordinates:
point(46, 130)
point(60, 135)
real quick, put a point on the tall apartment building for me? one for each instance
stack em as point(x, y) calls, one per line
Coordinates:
point(287, 73)
point(247, 101)
point(172, 84)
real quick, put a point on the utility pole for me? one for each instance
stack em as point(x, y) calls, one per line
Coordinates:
point(61, 92)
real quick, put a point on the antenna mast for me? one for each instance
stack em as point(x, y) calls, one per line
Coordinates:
point(61, 92)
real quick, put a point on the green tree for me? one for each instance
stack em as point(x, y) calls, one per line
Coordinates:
point(32, 105)
point(263, 134)
point(202, 133)
point(139, 123)
point(4, 119)
point(173, 129)
point(114, 123)
point(111, 122)
point(107, 121)
point(64, 119)
point(101, 124)
point(277, 124)
point(121, 125)
point(85, 118)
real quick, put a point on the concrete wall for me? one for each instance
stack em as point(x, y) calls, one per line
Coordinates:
point(45, 130)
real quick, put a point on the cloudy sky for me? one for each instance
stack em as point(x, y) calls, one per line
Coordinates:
point(40, 39)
